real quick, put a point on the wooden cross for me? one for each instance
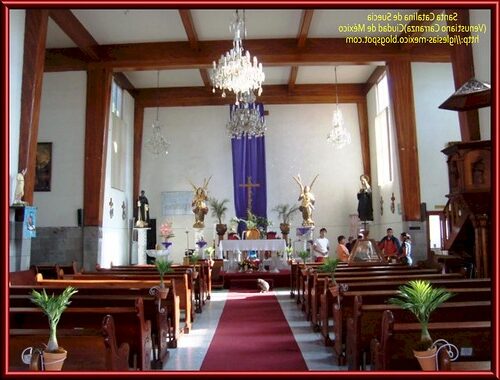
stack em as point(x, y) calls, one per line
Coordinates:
point(249, 186)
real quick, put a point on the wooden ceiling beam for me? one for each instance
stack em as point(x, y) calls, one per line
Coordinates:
point(124, 82)
point(272, 94)
point(305, 24)
point(271, 52)
point(74, 29)
point(187, 21)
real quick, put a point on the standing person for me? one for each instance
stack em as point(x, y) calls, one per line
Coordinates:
point(389, 245)
point(321, 246)
point(350, 243)
point(342, 251)
point(405, 250)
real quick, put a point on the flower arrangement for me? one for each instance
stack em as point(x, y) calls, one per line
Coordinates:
point(166, 230)
point(247, 264)
point(210, 252)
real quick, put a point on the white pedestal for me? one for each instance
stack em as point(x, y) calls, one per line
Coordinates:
point(142, 243)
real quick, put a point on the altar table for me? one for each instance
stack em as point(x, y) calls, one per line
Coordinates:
point(233, 249)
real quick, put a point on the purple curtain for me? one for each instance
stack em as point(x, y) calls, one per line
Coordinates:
point(249, 160)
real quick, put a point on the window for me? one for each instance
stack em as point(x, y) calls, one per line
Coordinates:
point(116, 99)
point(435, 230)
point(382, 133)
point(118, 146)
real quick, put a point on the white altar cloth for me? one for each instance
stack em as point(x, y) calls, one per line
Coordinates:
point(234, 248)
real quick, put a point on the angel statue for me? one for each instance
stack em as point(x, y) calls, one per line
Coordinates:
point(307, 200)
point(200, 208)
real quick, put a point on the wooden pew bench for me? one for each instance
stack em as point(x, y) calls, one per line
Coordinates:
point(392, 350)
point(182, 281)
point(129, 322)
point(88, 349)
point(365, 323)
point(163, 314)
point(461, 365)
point(345, 310)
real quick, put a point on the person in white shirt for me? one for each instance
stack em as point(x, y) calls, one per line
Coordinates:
point(321, 246)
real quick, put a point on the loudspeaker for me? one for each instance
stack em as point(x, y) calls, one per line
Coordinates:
point(79, 217)
point(151, 234)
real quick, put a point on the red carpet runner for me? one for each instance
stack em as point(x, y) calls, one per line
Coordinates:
point(253, 335)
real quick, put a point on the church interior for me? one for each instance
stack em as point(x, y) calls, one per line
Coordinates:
point(260, 182)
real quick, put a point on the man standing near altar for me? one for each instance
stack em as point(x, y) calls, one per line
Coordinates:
point(321, 246)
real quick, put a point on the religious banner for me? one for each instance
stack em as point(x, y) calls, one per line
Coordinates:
point(29, 226)
point(249, 174)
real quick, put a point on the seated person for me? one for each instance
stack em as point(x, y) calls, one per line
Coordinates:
point(389, 245)
point(342, 251)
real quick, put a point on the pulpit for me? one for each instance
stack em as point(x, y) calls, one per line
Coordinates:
point(467, 213)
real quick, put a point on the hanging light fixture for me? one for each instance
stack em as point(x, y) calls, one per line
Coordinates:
point(339, 136)
point(157, 144)
point(245, 119)
point(236, 71)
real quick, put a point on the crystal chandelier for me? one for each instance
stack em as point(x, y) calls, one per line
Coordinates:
point(157, 144)
point(339, 136)
point(245, 119)
point(236, 71)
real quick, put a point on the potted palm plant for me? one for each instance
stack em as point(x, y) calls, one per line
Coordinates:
point(219, 210)
point(53, 307)
point(421, 298)
point(304, 256)
point(285, 214)
point(163, 266)
point(329, 266)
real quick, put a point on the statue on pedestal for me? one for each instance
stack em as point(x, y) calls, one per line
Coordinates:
point(19, 192)
point(307, 201)
point(199, 205)
point(142, 211)
point(365, 207)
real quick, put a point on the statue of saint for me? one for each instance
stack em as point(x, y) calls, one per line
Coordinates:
point(199, 205)
point(307, 201)
point(365, 208)
point(19, 192)
point(143, 210)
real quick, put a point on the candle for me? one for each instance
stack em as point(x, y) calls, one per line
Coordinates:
point(215, 225)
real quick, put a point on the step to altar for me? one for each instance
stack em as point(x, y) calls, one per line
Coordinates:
point(248, 280)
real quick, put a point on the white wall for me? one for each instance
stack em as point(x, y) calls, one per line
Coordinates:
point(482, 64)
point(115, 232)
point(295, 143)
point(62, 122)
point(432, 85)
point(16, 45)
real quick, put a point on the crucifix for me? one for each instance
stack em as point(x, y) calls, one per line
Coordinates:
point(249, 186)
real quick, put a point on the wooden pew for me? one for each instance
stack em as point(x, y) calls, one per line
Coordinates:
point(367, 317)
point(163, 314)
point(392, 350)
point(130, 325)
point(329, 297)
point(24, 277)
point(313, 305)
point(183, 287)
point(445, 364)
point(88, 348)
point(166, 324)
point(343, 311)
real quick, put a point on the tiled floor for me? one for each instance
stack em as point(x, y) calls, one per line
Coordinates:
point(192, 347)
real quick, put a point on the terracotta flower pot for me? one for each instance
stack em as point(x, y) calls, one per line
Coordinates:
point(53, 361)
point(163, 292)
point(221, 229)
point(427, 359)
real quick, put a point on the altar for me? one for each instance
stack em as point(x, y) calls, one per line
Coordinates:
point(232, 251)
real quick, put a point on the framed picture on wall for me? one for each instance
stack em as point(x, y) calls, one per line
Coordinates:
point(43, 167)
